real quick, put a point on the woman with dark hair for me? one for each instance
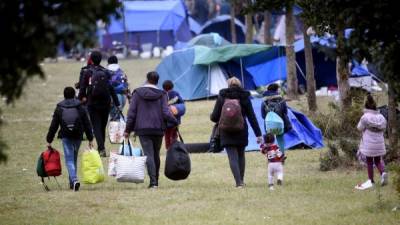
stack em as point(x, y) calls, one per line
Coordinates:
point(235, 141)
point(372, 125)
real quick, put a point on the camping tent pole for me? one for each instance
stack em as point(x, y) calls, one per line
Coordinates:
point(241, 70)
point(158, 38)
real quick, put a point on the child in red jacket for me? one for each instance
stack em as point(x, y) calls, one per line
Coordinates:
point(275, 159)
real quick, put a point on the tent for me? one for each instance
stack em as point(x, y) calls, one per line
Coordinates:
point(324, 67)
point(221, 25)
point(197, 73)
point(304, 132)
point(160, 23)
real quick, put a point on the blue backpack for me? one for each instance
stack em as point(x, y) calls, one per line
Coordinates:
point(274, 123)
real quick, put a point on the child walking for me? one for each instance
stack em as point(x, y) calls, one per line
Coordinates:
point(372, 125)
point(275, 158)
point(177, 107)
point(72, 119)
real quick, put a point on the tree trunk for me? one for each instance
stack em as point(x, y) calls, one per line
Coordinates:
point(249, 28)
point(342, 72)
point(267, 26)
point(233, 27)
point(290, 55)
point(392, 123)
point(311, 97)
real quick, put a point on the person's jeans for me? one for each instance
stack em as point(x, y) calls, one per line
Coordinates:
point(71, 148)
point(281, 142)
point(151, 147)
point(114, 112)
point(237, 162)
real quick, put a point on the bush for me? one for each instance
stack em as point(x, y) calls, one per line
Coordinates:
point(329, 160)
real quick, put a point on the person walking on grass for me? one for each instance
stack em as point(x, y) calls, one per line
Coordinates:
point(231, 109)
point(97, 90)
point(73, 120)
point(372, 125)
point(273, 101)
point(148, 115)
point(119, 81)
point(177, 107)
point(274, 157)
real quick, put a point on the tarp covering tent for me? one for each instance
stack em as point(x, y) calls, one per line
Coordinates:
point(304, 132)
point(221, 25)
point(191, 81)
point(193, 69)
point(210, 40)
point(161, 23)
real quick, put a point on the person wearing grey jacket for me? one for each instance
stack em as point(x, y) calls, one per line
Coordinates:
point(148, 115)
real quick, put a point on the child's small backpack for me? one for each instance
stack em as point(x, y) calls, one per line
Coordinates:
point(231, 119)
point(49, 165)
point(71, 123)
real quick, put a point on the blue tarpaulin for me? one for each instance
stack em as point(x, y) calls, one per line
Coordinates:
point(304, 132)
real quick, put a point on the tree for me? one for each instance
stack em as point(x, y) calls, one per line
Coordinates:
point(287, 5)
point(267, 28)
point(32, 31)
point(249, 23)
point(311, 96)
point(233, 25)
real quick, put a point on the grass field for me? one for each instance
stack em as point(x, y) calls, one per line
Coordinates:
point(308, 196)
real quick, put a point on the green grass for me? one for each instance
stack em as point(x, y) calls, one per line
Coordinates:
point(308, 196)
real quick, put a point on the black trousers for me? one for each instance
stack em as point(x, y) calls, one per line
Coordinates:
point(151, 147)
point(237, 162)
point(99, 119)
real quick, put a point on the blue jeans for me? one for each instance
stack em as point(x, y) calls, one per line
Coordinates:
point(114, 112)
point(71, 148)
point(281, 142)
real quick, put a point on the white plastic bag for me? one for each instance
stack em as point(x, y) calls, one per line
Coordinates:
point(116, 131)
point(130, 168)
point(112, 170)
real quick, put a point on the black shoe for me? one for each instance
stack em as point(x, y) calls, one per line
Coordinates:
point(279, 182)
point(102, 153)
point(71, 185)
point(76, 185)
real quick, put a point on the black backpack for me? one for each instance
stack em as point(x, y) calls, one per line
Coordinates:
point(177, 162)
point(274, 106)
point(71, 123)
point(99, 87)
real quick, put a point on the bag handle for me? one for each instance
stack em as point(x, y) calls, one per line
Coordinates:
point(129, 146)
point(121, 114)
point(180, 136)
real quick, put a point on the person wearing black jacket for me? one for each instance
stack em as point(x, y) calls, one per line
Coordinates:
point(235, 142)
point(98, 107)
point(70, 133)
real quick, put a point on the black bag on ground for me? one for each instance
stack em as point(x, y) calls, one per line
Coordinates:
point(177, 162)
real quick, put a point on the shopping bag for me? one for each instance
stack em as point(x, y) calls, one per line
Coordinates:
point(116, 131)
point(130, 168)
point(112, 170)
point(274, 123)
point(92, 167)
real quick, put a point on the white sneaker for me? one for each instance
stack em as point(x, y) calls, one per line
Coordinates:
point(271, 187)
point(384, 179)
point(367, 184)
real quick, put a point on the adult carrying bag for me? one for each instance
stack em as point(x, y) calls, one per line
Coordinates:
point(49, 165)
point(231, 119)
point(177, 161)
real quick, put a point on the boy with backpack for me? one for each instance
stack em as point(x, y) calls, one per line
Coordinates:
point(177, 107)
point(73, 121)
point(274, 102)
point(119, 81)
point(97, 89)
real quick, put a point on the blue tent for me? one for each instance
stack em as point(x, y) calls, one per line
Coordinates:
point(161, 23)
point(304, 132)
point(221, 25)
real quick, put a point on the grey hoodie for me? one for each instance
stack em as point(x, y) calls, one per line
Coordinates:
point(149, 112)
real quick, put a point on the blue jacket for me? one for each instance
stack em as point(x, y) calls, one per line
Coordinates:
point(175, 99)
